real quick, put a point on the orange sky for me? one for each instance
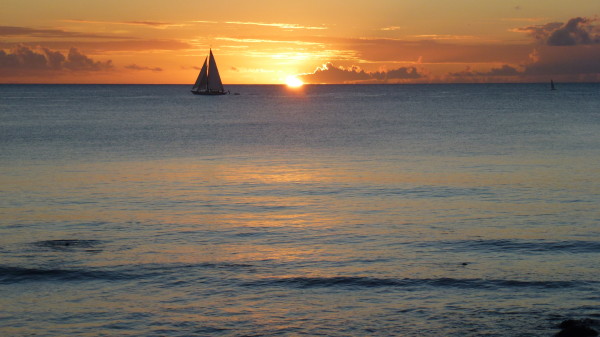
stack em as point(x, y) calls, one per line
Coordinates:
point(325, 41)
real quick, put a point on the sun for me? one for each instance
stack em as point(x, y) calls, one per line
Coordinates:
point(293, 82)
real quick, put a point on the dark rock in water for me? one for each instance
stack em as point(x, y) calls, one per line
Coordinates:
point(577, 328)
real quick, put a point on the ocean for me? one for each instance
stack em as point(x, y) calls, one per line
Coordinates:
point(328, 210)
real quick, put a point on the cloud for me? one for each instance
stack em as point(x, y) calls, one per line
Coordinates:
point(525, 19)
point(567, 63)
point(136, 67)
point(570, 51)
point(330, 74)
point(403, 73)
point(204, 21)
point(575, 61)
point(96, 43)
point(577, 31)
point(391, 28)
point(153, 24)
point(539, 32)
point(566, 51)
point(287, 26)
point(98, 47)
point(445, 37)
point(503, 71)
point(76, 61)
point(23, 60)
point(250, 40)
point(11, 31)
point(450, 50)
point(277, 25)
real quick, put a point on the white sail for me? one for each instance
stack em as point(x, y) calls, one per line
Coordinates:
point(214, 80)
point(202, 80)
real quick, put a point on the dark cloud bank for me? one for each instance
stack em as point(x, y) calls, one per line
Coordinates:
point(332, 74)
point(570, 51)
point(23, 59)
point(577, 31)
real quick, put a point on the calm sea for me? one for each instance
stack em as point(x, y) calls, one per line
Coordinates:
point(400, 210)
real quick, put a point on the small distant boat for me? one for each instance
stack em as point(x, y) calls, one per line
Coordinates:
point(209, 81)
point(552, 85)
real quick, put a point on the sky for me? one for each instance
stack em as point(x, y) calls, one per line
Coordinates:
point(316, 41)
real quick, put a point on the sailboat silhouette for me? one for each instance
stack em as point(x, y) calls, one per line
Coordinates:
point(209, 80)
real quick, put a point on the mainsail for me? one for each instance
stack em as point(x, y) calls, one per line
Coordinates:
point(209, 81)
point(214, 80)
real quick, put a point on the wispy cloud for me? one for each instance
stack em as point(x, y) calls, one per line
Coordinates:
point(11, 31)
point(391, 28)
point(203, 21)
point(277, 25)
point(431, 50)
point(153, 24)
point(136, 67)
point(534, 19)
point(251, 40)
point(445, 37)
point(107, 47)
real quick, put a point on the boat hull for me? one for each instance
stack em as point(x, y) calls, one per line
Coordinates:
point(209, 93)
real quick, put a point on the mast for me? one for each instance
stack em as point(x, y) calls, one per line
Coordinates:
point(202, 79)
point(214, 80)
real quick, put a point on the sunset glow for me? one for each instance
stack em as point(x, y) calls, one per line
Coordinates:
point(293, 82)
point(389, 41)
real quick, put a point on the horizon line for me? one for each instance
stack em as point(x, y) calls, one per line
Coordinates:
point(307, 84)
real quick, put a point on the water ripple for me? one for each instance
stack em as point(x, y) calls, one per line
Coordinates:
point(67, 244)
point(370, 282)
point(9, 275)
point(529, 246)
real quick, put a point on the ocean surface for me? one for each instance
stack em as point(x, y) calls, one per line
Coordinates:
point(399, 210)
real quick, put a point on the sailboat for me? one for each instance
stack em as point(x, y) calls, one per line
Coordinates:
point(552, 85)
point(209, 81)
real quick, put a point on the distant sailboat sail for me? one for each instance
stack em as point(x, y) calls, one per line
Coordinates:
point(552, 85)
point(214, 80)
point(202, 80)
point(209, 81)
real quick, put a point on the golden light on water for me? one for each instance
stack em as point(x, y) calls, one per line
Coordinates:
point(293, 82)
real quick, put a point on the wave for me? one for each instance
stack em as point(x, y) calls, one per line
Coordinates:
point(434, 192)
point(421, 192)
point(514, 245)
point(10, 275)
point(173, 274)
point(370, 282)
point(67, 244)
